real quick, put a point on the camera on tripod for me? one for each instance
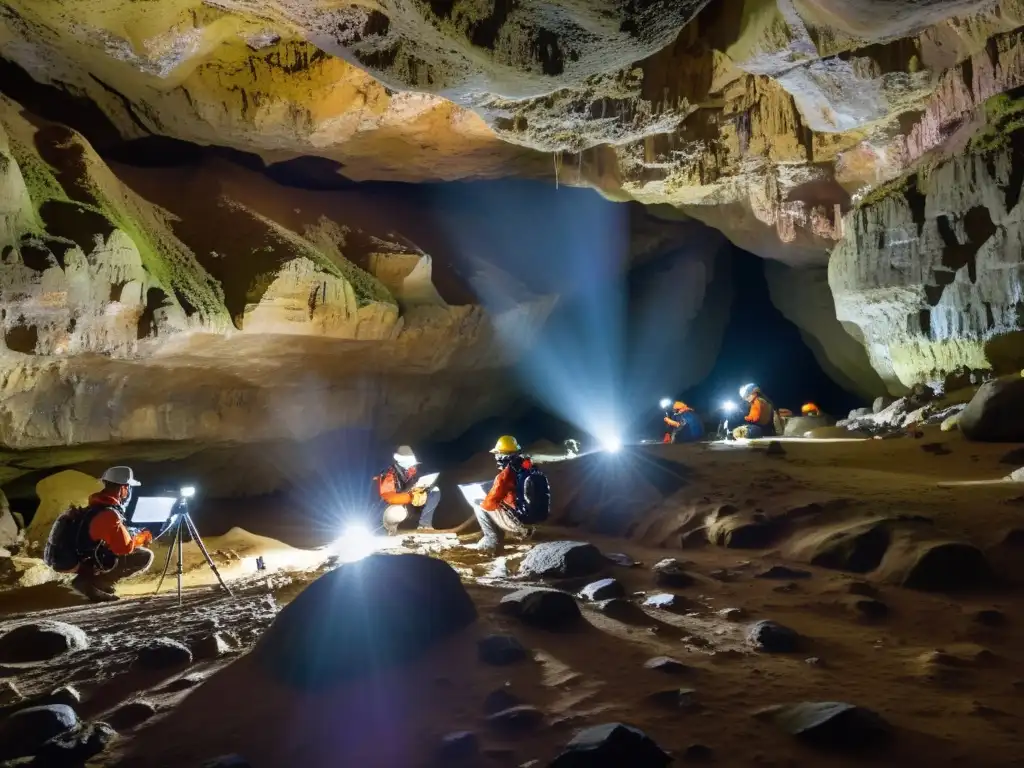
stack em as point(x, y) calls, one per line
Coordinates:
point(169, 510)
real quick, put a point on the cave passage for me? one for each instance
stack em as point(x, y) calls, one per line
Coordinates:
point(760, 345)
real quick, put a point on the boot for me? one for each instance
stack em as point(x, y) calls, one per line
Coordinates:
point(487, 545)
point(92, 592)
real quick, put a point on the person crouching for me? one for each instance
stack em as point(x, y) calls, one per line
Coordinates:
point(95, 544)
point(519, 498)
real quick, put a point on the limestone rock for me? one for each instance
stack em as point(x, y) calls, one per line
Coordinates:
point(562, 559)
point(948, 566)
point(76, 747)
point(774, 638)
point(612, 744)
point(544, 608)
point(672, 574)
point(411, 602)
point(39, 641)
point(830, 724)
point(604, 589)
point(163, 653)
point(995, 413)
point(27, 730)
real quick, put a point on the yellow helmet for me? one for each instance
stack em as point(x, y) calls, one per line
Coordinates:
point(506, 444)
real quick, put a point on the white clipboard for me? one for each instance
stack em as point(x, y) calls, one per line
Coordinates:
point(153, 509)
point(473, 492)
point(427, 481)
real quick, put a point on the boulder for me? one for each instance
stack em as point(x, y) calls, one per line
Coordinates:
point(830, 724)
point(163, 653)
point(742, 531)
point(605, 589)
point(859, 547)
point(501, 650)
point(40, 641)
point(674, 698)
point(773, 638)
point(995, 413)
point(75, 747)
point(211, 646)
point(621, 559)
point(621, 609)
point(667, 665)
point(24, 732)
point(859, 413)
point(405, 604)
point(798, 426)
point(948, 566)
point(881, 403)
point(9, 694)
point(543, 608)
point(612, 744)
point(562, 559)
point(870, 608)
point(671, 573)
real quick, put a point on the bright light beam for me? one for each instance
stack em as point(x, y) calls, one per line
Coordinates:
point(356, 543)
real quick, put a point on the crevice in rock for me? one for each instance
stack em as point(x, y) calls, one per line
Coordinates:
point(924, 322)
point(125, 102)
point(75, 222)
point(917, 201)
point(442, 8)
point(36, 258)
point(547, 51)
point(484, 33)
point(22, 338)
point(1012, 188)
point(978, 228)
point(155, 299)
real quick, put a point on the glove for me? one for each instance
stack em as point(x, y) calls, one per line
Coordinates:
point(143, 537)
point(419, 497)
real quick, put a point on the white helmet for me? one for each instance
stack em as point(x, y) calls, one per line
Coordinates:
point(120, 476)
point(404, 457)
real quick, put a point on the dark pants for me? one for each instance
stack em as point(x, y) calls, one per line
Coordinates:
point(756, 430)
point(127, 565)
point(498, 523)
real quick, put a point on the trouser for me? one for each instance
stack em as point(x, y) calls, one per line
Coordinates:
point(754, 431)
point(396, 515)
point(127, 565)
point(498, 523)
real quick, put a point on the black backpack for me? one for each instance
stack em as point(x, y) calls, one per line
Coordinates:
point(65, 548)
point(533, 496)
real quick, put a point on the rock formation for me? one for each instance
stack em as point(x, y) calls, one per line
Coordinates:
point(793, 126)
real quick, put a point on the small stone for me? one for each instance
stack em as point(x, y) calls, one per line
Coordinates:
point(670, 573)
point(24, 732)
point(211, 646)
point(605, 589)
point(674, 698)
point(163, 653)
point(814, 661)
point(40, 641)
point(773, 638)
point(499, 700)
point(620, 610)
point(612, 744)
point(666, 664)
point(501, 650)
point(132, 714)
point(990, 617)
point(733, 614)
point(227, 761)
point(698, 753)
point(543, 608)
point(519, 718)
point(871, 609)
point(783, 572)
point(461, 745)
point(665, 602)
point(76, 747)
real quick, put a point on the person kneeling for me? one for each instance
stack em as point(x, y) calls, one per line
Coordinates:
point(519, 498)
point(94, 543)
point(405, 502)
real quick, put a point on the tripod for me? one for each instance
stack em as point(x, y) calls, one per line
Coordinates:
point(181, 522)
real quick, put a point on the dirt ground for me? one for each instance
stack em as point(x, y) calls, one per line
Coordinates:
point(952, 686)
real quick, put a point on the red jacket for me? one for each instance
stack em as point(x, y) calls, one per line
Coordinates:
point(108, 527)
point(390, 486)
point(504, 489)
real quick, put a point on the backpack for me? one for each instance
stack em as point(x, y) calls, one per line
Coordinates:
point(64, 551)
point(533, 496)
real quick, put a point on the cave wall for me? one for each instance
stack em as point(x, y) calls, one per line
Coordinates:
point(930, 272)
point(804, 298)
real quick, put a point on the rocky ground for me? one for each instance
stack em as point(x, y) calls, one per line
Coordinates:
point(884, 568)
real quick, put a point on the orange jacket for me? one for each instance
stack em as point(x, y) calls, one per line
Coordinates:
point(107, 526)
point(672, 422)
point(390, 486)
point(760, 412)
point(504, 489)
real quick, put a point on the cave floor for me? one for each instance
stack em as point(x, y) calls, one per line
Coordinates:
point(952, 686)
